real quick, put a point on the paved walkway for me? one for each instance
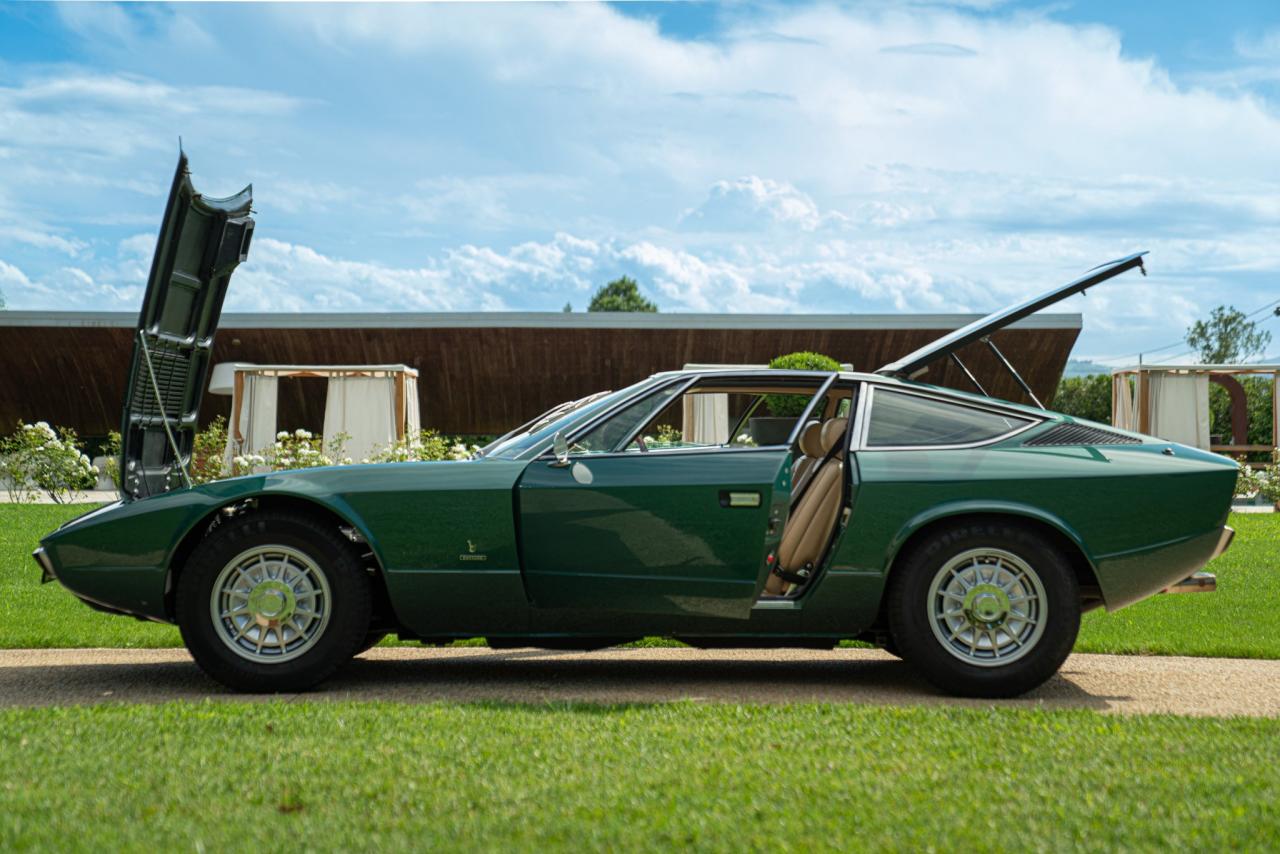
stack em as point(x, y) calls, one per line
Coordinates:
point(1105, 683)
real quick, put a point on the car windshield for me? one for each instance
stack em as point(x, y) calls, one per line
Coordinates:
point(542, 428)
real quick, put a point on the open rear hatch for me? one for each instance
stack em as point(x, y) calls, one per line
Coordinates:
point(202, 240)
point(914, 364)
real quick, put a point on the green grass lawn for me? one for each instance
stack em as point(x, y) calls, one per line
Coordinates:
point(1241, 620)
point(369, 776)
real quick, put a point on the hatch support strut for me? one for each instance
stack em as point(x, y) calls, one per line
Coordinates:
point(164, 416)
point(1017, 377)
point(968, 373)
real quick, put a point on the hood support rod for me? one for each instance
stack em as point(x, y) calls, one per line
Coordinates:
point(1017, 377)
point(968, 373)
point(164, 416)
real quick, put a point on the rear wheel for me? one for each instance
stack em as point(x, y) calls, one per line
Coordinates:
point(985, 610)
point(273, 602)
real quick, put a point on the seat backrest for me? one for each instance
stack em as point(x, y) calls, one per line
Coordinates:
point(814, 518)
point(810, 453)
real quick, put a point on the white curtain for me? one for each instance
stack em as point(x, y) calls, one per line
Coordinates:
point(706, 418)
point(1123, 412)
point(412, 417)
point(365, 409)
point(1180, 408)
point(257, 424)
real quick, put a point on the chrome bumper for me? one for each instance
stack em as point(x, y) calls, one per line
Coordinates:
point(1224, 541)
point(1201, 582)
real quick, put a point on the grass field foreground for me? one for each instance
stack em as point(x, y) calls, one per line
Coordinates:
point(231, 776)
point(1240, 620)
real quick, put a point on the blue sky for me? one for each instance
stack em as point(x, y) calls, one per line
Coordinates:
point(738, 157)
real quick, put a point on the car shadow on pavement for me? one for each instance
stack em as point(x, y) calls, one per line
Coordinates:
point(539, 676)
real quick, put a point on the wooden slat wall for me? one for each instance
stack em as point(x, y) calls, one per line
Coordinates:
point(475, 380)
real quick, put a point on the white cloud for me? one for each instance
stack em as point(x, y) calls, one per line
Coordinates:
point(749, 202)
point(434, 157)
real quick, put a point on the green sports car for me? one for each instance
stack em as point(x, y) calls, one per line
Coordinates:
point(965, 534)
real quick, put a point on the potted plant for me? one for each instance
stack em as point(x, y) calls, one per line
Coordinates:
point(775, 427)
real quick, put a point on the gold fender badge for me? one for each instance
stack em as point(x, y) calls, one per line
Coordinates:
point(471, 553)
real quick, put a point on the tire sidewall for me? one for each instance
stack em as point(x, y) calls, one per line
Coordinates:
point(909, 616)
point(349, 617)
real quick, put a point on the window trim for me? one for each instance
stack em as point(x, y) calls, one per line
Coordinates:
point(684, 381)
point(867, 410)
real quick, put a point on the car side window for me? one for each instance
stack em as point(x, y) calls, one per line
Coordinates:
point(908, 420)
point(605, 437)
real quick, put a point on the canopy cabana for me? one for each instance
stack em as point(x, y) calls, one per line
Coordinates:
point(1172, 402)
point(375, 405)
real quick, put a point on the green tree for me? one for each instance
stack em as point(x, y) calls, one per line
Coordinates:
point(1085, 397)
point(1227, 336)
point(620, 295)
point(1, 300)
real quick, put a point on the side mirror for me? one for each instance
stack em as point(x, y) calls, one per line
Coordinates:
point(560, 447)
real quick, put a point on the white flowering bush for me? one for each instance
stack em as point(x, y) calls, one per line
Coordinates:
point(1249, 481)
point(424, 446)
point(36, 458)
point(300, 449)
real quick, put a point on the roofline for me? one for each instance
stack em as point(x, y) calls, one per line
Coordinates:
point(540, 320)
point(1261, 368)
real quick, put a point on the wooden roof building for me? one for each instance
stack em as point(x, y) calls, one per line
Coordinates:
point(482, 373)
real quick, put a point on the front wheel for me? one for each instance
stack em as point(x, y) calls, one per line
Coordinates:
point(985, 610)
point(273, 602)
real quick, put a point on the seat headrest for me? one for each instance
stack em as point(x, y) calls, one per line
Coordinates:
point(811, 439)
point(832, 432)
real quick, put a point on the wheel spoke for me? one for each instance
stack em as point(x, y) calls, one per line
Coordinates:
point(266, 583)
point(981, 575)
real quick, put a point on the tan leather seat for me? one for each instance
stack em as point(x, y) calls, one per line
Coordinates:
point(814, 518)
point(810, 453)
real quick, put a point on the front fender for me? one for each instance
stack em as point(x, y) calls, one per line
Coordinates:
point(120, 556)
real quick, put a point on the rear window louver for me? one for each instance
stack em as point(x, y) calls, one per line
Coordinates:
point(1080, 434)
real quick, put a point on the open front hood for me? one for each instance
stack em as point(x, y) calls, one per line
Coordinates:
point(914, 364)
point(201, 242)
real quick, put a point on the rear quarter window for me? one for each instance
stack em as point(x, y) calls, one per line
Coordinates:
point(909, 420)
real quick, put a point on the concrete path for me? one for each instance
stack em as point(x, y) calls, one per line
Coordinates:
point(1105, 683)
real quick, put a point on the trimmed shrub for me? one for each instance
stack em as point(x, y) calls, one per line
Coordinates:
point(791, 405)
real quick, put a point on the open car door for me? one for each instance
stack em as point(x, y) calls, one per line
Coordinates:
point(678, 531)
point(201, 242)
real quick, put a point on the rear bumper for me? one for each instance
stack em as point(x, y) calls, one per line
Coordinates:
point(1204, 582)
point(1201, 582)
point(46, 565)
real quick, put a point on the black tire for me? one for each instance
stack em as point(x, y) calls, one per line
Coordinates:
point(335, 643)
point(911, 620)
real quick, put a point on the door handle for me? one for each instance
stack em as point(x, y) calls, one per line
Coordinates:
point(735, 498)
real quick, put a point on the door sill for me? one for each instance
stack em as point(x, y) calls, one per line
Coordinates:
point(778, 604)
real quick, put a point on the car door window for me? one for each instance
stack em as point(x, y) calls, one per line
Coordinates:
point(909, 420)
point(715, 413)
point(607, 436)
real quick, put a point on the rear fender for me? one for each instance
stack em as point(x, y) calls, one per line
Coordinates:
point(954, 509)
